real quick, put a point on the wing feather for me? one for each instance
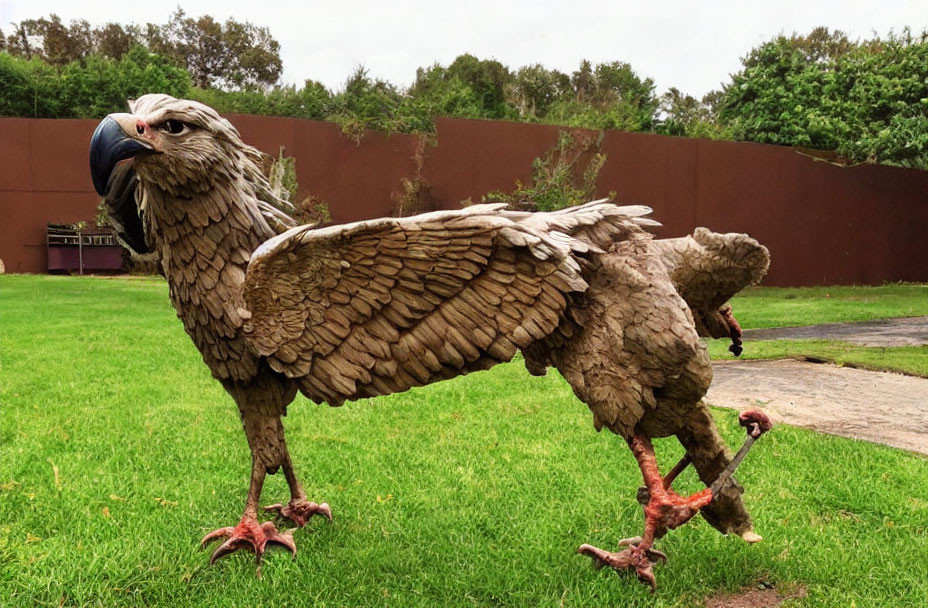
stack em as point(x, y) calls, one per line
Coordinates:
point(377, 307)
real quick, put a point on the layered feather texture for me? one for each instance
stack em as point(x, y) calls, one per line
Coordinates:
point(380, 306)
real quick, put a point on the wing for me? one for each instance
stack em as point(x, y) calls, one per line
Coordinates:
point(380, 306)
point(598, 223)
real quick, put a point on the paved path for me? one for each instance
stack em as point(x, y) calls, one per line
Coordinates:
point(908, 331)
point(875, 406)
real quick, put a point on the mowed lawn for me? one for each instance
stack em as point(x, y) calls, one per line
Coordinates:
point(118, 451)
point(784, 307)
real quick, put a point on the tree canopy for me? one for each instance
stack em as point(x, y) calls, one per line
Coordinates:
point(231, 55)
point(864, 100)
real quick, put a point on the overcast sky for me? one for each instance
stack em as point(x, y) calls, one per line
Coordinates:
point(691, 45)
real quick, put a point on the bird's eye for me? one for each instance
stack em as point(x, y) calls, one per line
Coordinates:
point(172, 126)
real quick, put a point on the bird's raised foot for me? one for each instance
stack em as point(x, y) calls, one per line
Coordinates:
point(634, 556)
point(299, 511)
point(249, 535)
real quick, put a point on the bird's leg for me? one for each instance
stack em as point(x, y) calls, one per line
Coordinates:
point(714, 465)
point(664, 510)
point(249, 534)
point(265, 433)
point(298, 510)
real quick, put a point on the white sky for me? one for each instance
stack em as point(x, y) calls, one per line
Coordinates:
point(691, 45)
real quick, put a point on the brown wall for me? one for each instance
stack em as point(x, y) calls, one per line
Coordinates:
point(823, 224)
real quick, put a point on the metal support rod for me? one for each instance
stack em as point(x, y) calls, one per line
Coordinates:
point(756, 423)
point(723, 478)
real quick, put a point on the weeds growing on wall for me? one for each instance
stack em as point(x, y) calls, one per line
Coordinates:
point(306, 209)
point(416, 196)
point(564, 177)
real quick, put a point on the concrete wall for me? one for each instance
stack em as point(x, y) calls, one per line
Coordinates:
point(823, 224)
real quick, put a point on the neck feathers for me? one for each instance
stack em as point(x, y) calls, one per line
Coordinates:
point(204, 243)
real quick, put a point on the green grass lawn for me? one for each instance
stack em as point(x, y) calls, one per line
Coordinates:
point(783, 307)
point(118, 452)
point(761, 307)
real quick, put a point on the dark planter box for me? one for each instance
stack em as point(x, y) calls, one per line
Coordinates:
point(85, 252)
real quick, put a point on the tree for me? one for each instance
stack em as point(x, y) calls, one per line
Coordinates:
point(28, 87)
point(583, 81)
point(313, 101)
point(367, 103)
point(257, 53)
point(618, 84)
point(90, 88)
point(216, 55)
point(114, 40)
point(50, 40)
point(865, 100)
point(609, 96)
point(534, 88)
point(440, 95)
point(685, 116)
point(100, 85)
point(469, 87)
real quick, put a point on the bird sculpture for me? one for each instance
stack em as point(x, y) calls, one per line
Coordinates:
point(376, 307)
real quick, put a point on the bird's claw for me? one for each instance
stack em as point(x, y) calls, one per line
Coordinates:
point(299, 511)
point(755, 422)
point(634, 556)
point(249, 535)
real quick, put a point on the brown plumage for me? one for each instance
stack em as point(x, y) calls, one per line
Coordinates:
point(377, 307)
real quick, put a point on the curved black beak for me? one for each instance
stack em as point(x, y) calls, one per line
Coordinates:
point(108, 146)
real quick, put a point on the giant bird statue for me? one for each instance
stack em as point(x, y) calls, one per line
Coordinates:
point(377, 307)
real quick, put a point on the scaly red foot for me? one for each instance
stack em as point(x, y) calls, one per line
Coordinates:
point(663, 512)
point(250, 535)
point(641, 559)
point(299, 511)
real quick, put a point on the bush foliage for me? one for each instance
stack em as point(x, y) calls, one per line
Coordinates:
point(866, 100)
point(564, 177)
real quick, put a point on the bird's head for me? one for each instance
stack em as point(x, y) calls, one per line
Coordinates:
point(180, 146)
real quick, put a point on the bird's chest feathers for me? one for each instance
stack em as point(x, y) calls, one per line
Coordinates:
point(205, 244)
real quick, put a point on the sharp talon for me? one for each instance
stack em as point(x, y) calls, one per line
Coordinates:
point(230, 546)
point(655, 554)
point(285, 540)
point(594, 553)
point(646, 575)
point(634, 557)
point(299, 511)
point(634, 540)
point(250, 535)
point(220, 533)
